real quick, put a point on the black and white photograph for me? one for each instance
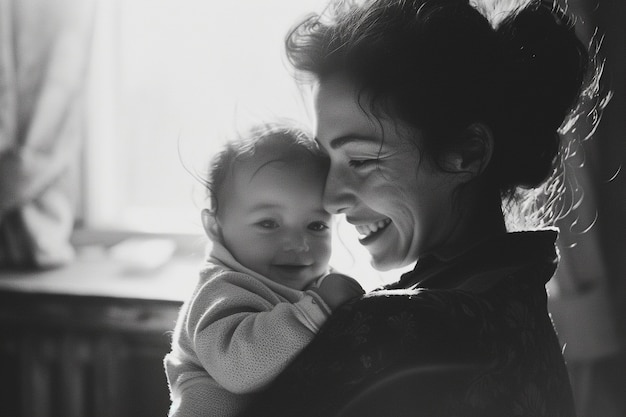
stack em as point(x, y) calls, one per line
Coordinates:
point(312, 208)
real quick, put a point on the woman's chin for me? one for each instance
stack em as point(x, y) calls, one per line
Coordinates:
point(381, 246)
point(385, 252)
point(382, 265)
point(384, 258)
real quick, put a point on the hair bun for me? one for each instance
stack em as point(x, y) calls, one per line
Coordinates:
point(544, 65)
point(545, 59)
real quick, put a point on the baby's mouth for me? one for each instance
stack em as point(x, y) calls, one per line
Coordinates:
point(293, 268)
point(369, 230)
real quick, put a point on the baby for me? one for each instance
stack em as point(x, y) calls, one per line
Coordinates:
point(266, 287)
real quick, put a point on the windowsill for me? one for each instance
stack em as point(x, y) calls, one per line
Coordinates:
point(96, 275)
point(186, 243)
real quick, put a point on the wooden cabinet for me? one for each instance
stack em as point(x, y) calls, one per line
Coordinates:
point(80, 353)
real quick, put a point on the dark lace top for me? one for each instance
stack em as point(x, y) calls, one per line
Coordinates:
point(486, 305)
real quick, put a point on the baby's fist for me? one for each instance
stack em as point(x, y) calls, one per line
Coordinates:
point(335, 289)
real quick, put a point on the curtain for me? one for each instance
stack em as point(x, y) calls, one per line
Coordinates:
point(44, 51)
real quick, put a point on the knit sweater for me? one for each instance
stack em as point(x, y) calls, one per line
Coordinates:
point(235, 334)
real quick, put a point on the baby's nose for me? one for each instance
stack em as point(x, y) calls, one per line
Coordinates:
point(296, 242)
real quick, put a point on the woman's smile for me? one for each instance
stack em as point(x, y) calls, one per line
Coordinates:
point(369, 231)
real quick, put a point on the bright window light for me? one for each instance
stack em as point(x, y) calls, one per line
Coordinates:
point(170, 82)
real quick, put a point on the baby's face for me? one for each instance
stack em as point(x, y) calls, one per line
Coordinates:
point(272, 220)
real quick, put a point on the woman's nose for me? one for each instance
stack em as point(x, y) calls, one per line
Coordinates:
point(337, 196)
point(296, 242)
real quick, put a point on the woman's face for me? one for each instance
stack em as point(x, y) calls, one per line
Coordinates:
point(398, 200)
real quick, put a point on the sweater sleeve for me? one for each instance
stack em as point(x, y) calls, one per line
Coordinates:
point(244, 334)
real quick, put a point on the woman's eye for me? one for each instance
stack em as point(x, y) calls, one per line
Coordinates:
point(267, 224)
point(318, 226)
point(360, 163)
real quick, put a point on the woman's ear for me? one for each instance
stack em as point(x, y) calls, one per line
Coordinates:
point(472, 155)
point(210, 223)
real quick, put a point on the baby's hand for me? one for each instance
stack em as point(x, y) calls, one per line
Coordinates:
point(335, 289)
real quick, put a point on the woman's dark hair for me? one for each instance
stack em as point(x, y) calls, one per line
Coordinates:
point(441, 65)
point(282, 139)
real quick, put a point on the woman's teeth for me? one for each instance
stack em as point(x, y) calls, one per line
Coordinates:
point(366, 230)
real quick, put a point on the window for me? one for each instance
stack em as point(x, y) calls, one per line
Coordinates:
point(170, 81)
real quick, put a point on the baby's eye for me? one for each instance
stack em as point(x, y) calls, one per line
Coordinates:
point(267, 224)
point(361, 163)
point(318, 226)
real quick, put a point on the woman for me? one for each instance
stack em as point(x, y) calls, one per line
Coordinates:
point(435, 115)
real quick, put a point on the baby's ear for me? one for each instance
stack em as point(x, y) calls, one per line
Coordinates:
point(210, 224)
point(472, 155)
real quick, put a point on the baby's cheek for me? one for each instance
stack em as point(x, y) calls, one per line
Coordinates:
point(257, 253)
point(322, 249)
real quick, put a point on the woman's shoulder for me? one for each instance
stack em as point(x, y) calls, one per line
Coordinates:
point(421, 300)
point(430, 312)
point(456, 315)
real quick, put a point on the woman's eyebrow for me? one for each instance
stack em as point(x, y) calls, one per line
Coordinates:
point(346, 139)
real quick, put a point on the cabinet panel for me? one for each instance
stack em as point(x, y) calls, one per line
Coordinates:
point(10, 371)
point(81, 356)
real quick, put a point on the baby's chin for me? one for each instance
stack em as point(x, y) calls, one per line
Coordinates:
point(295, 277)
